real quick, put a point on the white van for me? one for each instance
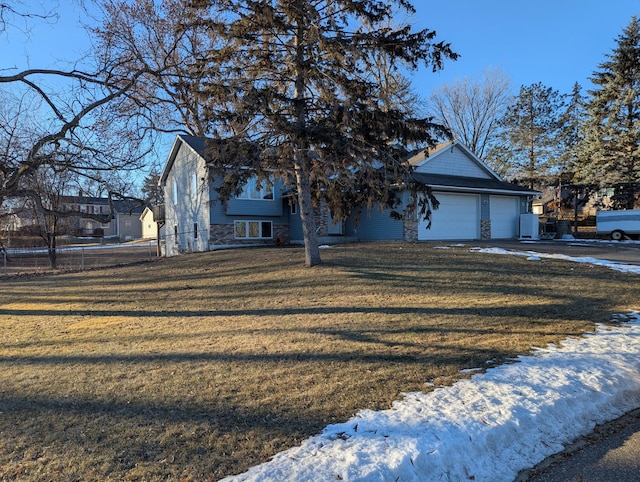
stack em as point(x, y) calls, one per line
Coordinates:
point(618, 224)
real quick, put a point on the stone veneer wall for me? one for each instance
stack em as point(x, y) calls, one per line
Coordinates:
point(485, 229)
point(224, 234)
point(321, 217)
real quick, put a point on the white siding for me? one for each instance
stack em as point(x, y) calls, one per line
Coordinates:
point(189, 195)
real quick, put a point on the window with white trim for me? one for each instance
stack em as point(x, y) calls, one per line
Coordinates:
point(253, 229)
point(256, 190)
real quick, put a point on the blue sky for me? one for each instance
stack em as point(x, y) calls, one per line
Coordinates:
point(556, 42)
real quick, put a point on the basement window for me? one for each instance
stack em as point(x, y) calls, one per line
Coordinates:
point(253, 229)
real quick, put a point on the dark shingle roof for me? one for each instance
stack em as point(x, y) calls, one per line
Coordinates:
point(471, 183)
point(128, 206)
point(198, 144)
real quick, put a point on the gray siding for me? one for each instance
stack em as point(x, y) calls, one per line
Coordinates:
point(220, 214)
point(453, 162)
point(252, 207)
point(484, 207)
point(524, 204)
point(295, 225)
point(129, 226)
point(376, 226)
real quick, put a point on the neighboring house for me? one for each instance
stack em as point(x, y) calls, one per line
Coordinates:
point(87, 226)
point(123, 223)
point(474, 204)
point(127, 219)
point(149, 225)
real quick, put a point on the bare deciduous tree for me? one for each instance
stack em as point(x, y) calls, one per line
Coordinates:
point(471, 109)
point(60, 122)
point(14, 11)
point(147, 35)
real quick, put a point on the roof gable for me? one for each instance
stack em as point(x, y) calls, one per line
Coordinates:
point(452, 159)
point(193, 143)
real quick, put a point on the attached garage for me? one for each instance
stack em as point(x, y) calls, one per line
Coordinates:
point(474, 202)
point(505, 215)
point(457, 217)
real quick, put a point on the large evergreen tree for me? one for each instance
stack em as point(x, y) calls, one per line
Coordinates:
point(300, 73)
point(571, 137)
point(151, 191)
point(611, 154)
point(531, 126)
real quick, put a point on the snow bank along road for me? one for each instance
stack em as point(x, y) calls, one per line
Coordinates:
point(486, 428)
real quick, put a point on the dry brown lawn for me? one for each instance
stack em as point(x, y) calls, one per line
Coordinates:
point(200, 366)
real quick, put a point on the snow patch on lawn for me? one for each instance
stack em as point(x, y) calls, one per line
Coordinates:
point(625, 268)
point(485, 428)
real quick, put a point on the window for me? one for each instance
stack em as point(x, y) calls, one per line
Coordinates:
point(294, 207)
point(258, 190)
point(253, 229)
point(194, 186)
point(175, 193)
point(195, 230)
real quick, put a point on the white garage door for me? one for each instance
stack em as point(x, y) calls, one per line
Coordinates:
point(458, 217)
point(504, 217)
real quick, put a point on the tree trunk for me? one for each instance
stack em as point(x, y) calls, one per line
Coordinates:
point(51, 248)
point(301, 164)
point(311, 250)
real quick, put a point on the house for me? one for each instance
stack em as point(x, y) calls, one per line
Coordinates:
point(127, 219)
point(474, 204)
point(123, 223)
point(150, 225)
point(196, 220)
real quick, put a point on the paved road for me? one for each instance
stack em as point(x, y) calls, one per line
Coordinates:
point(610, 454)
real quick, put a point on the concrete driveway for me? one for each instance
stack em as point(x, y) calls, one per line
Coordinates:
point(626, 252)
